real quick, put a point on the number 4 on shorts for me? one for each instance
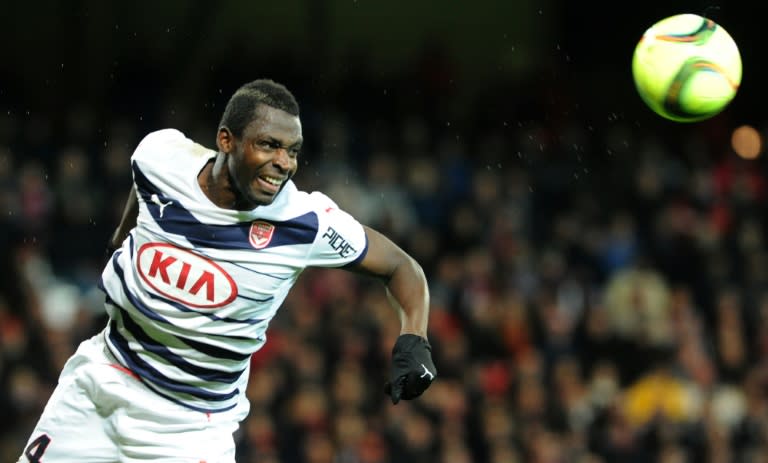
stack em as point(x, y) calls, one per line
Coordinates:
point(35, 450)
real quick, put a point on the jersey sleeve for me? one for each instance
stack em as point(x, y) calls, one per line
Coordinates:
point(153, 149)
point(340, 240)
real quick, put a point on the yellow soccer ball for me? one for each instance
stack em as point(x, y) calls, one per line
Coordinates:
point(686, 68)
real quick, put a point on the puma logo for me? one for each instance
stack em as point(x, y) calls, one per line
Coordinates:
point(427, 372)
point(156, 199)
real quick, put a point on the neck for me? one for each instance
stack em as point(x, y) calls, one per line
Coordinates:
point(216, 184)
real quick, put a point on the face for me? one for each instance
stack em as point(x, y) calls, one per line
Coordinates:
point(264, 158)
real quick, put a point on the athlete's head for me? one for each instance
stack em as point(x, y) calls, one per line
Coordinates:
point(260, 133)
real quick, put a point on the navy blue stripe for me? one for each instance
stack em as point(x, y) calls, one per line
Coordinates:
point(112, 260)
point(206, 349)
point(178, 220)
point(147, 372)
point(214, 317)
point(153, 346)
point(175, 400)
point(183, 404)
point(256, 271)
point(213, 351)
point(254, 299)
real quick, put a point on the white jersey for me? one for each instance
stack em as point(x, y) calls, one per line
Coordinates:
point(192, 289)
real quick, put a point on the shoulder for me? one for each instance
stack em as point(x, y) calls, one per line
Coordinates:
point(293, 201)
point(167, 142)
point(329, 214)
point(158, 139)
point(315, 207)
point(338, 238)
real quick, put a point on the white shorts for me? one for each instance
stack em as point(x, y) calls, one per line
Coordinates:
point(100, 412)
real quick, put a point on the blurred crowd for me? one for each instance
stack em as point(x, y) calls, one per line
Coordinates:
point(599, 290)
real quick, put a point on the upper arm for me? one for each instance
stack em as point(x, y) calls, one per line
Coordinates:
point(382, 258)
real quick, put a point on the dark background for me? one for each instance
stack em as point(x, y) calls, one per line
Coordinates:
point(599, 275)
point(575, 56)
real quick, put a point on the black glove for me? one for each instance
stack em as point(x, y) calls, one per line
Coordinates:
point(412, 368)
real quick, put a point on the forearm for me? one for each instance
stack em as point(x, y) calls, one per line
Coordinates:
point(127, 221)
point(408, 293)
point(412, 368)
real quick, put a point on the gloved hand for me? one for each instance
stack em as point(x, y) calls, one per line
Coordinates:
point(412, 369)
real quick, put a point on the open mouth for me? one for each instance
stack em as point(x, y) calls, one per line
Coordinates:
point(271, 184)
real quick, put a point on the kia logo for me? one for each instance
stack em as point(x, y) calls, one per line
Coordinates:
point(184, 276)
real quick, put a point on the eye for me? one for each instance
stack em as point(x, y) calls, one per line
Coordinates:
point(266, 145)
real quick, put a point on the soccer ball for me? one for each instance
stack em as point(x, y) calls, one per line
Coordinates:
point(686, 68)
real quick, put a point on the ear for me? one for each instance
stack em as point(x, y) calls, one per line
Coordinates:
point(225, 141)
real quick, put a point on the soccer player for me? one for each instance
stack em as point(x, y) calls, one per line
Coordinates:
point(208, 247)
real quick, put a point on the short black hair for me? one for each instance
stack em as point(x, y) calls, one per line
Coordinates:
point(241, 106)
